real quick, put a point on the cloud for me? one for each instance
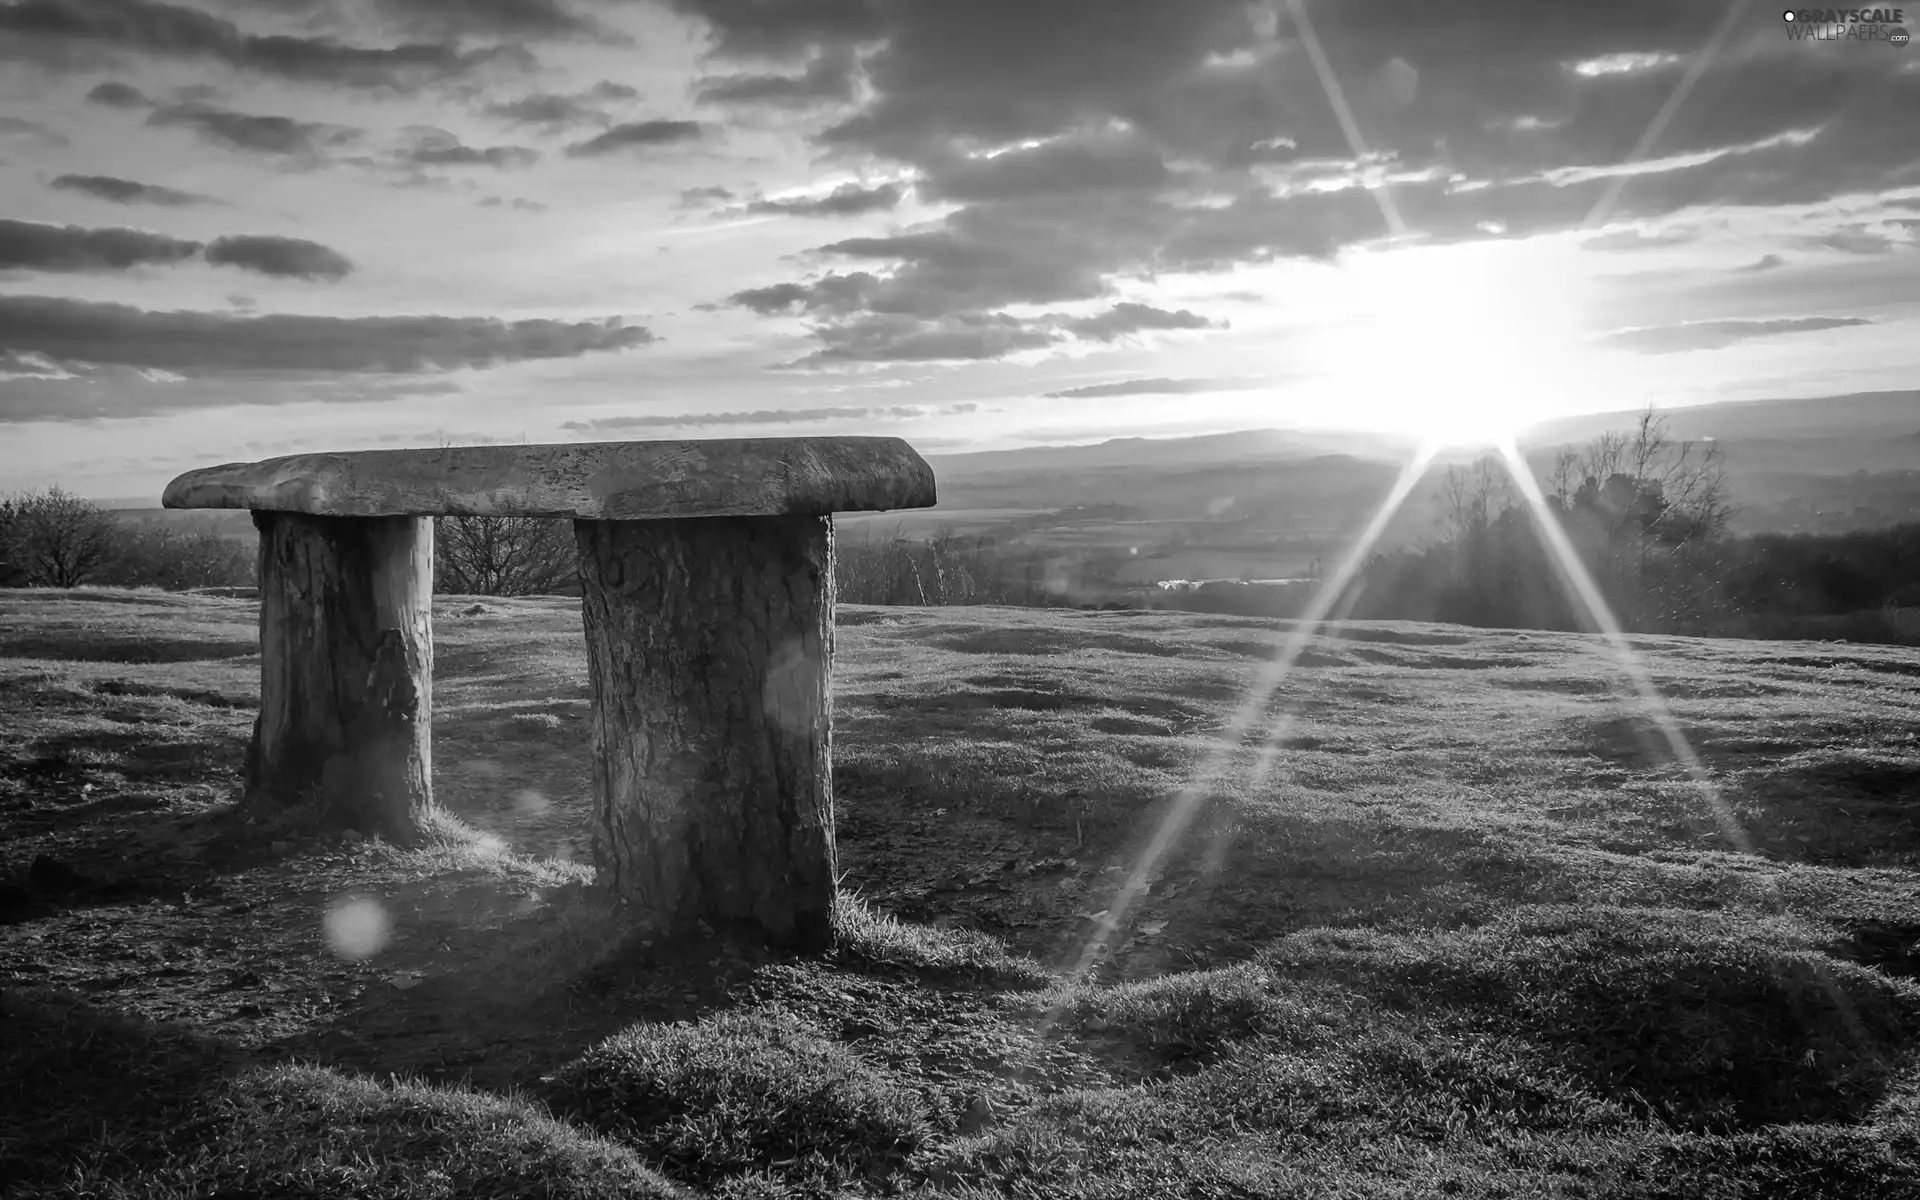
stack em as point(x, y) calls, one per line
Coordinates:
point(1086, 163)
point(559, 110)
point(22, 128)
point(1712, 335)
point(1143, 387)
point(635, 134)
point(847, 200)
point(961, 337)
point(295, 142)
point(53, 29)
point(218, 343)
point(1854, 239)
point(439, 148)
point(829, 78)
point(702, 197)
point(771, 416)
point(1197, 137)
point(787, 30)
point(1123, 319)
point(95, 393)
point(1766, 262)
point(517, 202)
point(126, 191)
point(516, 18)
point(284, 257)
point(1625, 63)
point(887, 337)
point(34, 246)
point(114, 94)
point(831, 294)
point(1639, 239)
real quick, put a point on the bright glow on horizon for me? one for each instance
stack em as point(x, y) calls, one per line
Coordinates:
point(1461, 343)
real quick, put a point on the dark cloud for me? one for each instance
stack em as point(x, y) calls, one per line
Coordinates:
point(769, 416)
point(33, 246)
point(1142, 387)
point(1126, 318)
point(53, 28)
point(127, 191)
point(209, 343)
point(847, 200)
point(1091, 142)
point(439, 148)
point(638, 134)
point(285, 257)
point(829, 78)
point(115, 94)
point(1766, 262)
point(1712, 335)
point(830, 294)
point(516, 202)
point(555, 111)
point(294, 142)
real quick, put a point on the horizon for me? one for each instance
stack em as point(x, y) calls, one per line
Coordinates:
point(238, 232)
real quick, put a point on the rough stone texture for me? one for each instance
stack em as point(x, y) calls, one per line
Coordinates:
point(710, 651)
point(346, 669)
point(615, 481)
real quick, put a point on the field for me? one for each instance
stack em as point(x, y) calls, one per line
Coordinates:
point(1463, 928)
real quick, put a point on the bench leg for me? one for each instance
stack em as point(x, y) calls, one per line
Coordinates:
point(346, 669)
point(710, 653)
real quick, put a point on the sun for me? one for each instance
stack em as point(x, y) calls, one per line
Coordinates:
point(1461, 346)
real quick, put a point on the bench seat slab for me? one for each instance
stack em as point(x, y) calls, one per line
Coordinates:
point(617, 481)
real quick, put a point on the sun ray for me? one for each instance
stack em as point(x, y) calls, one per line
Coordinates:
point(1343, 113)
point(1603, 207)
point(1188, 801)
point(1574, 575)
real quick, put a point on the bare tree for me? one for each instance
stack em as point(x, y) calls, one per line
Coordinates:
point(57, 539)
point(1645, 487)
point(1472, 498)
point(504, 556)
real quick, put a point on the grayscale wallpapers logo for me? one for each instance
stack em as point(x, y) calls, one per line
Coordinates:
point(1848, 25)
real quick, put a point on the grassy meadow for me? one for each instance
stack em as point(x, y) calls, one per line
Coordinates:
point(1448, 921)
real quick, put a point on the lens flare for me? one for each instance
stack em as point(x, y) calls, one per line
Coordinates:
point(356, 928)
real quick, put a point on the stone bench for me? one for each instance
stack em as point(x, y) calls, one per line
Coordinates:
point(706, 572)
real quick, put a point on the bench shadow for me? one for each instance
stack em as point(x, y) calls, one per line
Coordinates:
point(107, 649)
point(70, 1069)
point(468, 1023)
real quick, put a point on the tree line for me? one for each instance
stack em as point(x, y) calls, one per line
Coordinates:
point(1646, 516)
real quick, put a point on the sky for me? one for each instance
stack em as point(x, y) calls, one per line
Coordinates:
point(233, 229)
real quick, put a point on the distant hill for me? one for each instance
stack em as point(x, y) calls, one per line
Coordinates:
point(1859, 417)
point(1245, 446)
